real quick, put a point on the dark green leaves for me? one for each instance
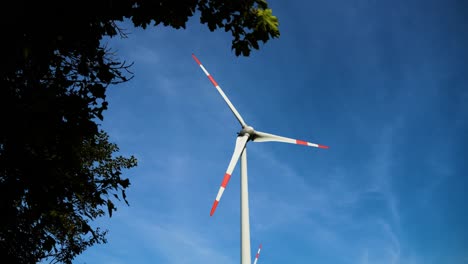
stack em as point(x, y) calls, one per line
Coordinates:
point(110, 207)
point(249, 22)
point(58, 171)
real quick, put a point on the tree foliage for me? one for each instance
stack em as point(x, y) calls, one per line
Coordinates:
point(58, 170)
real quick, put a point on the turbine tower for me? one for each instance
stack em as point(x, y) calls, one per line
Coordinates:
point(246, 134)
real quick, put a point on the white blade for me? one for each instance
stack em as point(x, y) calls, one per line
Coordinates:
point(226, 99)
point(241, 141)
point(265, 137)
point(258, 254)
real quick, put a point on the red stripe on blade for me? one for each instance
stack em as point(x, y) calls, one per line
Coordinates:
point(213, 209)
point(300, 142)
point(257, 255)
point(260, 246)
point(322, 146)
point(225, 180)
point(195, 58)
point(212, 80)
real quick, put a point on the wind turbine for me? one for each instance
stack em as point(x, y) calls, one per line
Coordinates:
point(246, 134)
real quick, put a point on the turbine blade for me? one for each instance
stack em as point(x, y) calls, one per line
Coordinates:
point(265, 137)
point(258, 254)
point(226, 99)
point(241, 141)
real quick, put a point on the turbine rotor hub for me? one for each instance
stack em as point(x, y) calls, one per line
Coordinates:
point(247, 130)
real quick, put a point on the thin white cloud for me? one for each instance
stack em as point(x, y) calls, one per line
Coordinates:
point(326, 211)
point(364, 259)
point(394, 245)
point(144, 55)
point(381, 168)
point(180, 245)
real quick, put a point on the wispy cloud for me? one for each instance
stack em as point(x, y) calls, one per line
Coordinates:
point(364, 258)
point(328, 209)
point(380, 168)
point(394, 245)
point(180, 245)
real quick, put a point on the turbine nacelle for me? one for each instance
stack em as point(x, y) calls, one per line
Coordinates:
point(247, 130)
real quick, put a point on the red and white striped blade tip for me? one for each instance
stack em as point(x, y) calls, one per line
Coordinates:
point(305, 143)
point(213, 208)
point(196, 59)
point(224, 183)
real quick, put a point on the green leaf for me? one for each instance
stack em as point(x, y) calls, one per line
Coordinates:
point(267, 22)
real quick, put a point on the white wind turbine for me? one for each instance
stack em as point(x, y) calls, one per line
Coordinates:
point(246, 134)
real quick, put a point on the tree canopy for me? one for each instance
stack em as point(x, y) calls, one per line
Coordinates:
point(58, 169)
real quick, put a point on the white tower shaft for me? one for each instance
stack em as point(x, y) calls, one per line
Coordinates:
point(245, 225)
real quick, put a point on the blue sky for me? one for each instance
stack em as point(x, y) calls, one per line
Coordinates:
point(383, 83)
